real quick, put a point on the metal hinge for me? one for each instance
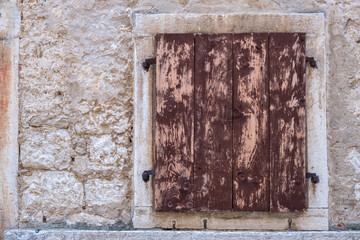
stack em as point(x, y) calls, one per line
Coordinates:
point(146, 175)
point(314, 178)
point(311, 61)
point(148, 62)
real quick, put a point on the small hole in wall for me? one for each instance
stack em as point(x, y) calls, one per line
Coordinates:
point(83, 207)
point(72, 159)
point(58, 93)
point(130, 140)
point(44, 219)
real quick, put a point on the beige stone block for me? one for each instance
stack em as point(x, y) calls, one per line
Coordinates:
point(105, 198)
point(53, 194)
point(46, 150)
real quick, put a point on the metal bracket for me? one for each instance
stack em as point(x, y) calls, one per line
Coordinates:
point(311, 61)
point(314, 178)
point(148, 62)
point(146, 175)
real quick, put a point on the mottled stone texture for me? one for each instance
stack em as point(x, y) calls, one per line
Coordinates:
point(176, 235)
point(76, 114)
point(76, 105)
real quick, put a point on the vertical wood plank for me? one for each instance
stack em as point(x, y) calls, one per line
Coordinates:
point(174, 122)
point(213, 125)
point(250, 123)
point(287, 121)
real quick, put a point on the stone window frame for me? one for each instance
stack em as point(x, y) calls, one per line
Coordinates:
point(146, 26)
point(9, 112)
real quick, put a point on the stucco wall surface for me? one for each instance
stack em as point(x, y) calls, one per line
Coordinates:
point(76, 106)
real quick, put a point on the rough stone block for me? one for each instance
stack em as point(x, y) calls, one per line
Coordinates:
point(105, 198)
point(61, 122)
point(50, 194)
point(46, 150)
point(104, 154)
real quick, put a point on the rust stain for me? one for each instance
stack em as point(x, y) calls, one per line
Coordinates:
point(5, 88)
point(5, 84)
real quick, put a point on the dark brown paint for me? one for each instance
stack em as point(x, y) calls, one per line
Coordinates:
point(250, 129)
point(213, 125)
point(287, 121)
point(174, 122)
point(230, 122)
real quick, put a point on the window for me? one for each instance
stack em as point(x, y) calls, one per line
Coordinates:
point(230, 125)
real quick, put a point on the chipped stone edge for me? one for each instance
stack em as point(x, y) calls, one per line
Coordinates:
point(145, 28)
point(10, 25)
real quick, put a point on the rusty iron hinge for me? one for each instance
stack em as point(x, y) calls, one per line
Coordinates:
point(148, 62)
point(311, 61)
point(146, 175)
point(314, 178)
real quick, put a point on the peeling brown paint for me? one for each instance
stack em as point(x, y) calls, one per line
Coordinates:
point(174, 122)
point(250, 130)
point(213, 124)
point(213, 129)
point(287, 121)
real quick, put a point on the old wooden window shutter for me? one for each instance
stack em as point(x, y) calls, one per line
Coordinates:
point(230, 125)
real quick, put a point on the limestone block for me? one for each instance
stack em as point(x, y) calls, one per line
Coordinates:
point(105, 198)
point(90, 219)
point(105, 154)
point(79, 165)
point(102, 152)
point(103, 117)
point(80, 147)
point(61, 122)
point(177, 235)
point(50, 194)
point(46, 150)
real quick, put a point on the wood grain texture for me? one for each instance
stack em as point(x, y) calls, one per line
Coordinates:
point(174, 151)
point(213, 125)
point(287, 121)
point(250, 123)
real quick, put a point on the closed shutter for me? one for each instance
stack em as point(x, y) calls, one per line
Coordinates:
point(287, 121)
point(230, 125)
point(250, 127)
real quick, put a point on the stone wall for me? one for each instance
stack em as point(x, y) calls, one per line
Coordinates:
point(76, 87)
point(76, 114)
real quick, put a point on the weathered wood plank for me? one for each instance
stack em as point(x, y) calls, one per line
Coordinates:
point(174, 131)
point(250, 123)
point(213, 125)
point(287, 121)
